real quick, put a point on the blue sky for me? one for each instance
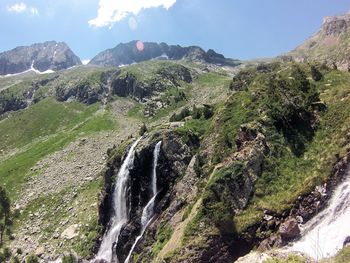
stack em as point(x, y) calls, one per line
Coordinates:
point(243, 29)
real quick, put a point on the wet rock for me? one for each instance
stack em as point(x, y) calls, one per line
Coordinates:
point(270, 243)
point(289, 229)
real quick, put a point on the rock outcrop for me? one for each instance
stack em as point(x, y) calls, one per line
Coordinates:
point(172, 163)
point(329, 45)
point(41, 57)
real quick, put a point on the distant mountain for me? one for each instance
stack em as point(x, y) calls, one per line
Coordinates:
point(331, 44)
point(39, 57)
point(127, 53)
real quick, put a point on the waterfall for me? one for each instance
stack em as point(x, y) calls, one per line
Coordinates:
point(120, 214)
point(324, 235)
point(148, 210)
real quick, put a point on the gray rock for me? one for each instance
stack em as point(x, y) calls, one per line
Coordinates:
point(289, 229)
point(127, 53)
point(43, 56)
point(71, 232)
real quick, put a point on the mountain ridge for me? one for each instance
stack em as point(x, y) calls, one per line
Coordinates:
point(49, 55)
point(128, 53)
point(330, 45)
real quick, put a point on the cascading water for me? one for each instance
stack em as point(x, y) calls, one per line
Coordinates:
point(323, 236)
point(120, 214)
point(148, 210)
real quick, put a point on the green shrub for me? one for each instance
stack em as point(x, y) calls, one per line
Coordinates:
point(218, 200)
point(15, 260)
point(69, 259)
point(32, 259)
point(163, 235)
point(6, 252)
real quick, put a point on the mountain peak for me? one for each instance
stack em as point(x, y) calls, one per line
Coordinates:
point(136, 51)
point(50, 55)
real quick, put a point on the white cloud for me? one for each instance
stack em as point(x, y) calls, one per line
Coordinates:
point(17, 8)
point(85, 61)
point(21, 8)
point(34, 11)
point(133, 23)
point(111, 11)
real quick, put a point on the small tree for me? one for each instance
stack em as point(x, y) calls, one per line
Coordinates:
point(5, 212)
point(69, 259)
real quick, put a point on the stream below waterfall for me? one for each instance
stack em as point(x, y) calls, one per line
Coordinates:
point(323, 236)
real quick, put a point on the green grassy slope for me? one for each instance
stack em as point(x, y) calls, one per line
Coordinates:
point(42, 129)
point(301, 155)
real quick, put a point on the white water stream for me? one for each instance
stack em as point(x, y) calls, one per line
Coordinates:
point(120, 214)
point(148, 210)
point(324, 235)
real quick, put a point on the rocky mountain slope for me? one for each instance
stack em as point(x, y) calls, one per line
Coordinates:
point(41, 57)
point(128, 53)
point(330, 45)
point(247, 156)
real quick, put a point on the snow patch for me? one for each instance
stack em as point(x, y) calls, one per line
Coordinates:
point(32, 69)
point(40, 72)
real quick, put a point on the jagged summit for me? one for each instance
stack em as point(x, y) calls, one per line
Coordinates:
point(128, 53)
point(330, 44)
point(50, 55)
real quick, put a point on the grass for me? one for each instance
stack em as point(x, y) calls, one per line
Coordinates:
point(291, 259)
point(192, 129)
point(238, 110)
point(59, 131)
point(287, 176)
point(342, 257)
point(163, 235)
point(136, 112)
point(212, 79)
point(42, 119)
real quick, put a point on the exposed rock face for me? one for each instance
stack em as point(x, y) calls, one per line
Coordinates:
point(303, 210)
point(13, 103)
point(84, 89)
point(44, 56)
point(173, 159)
point(329, 45)
point(100, 87)
point(167, 77)
point(334, 26)
point(127, 53)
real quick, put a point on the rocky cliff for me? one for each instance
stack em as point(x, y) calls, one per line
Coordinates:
point(50, 55)
point(329, 45)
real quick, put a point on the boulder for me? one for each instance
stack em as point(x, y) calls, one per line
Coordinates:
point(71, 232)
point(289, 229)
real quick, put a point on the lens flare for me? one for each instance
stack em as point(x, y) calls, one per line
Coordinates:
point(140, 46)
